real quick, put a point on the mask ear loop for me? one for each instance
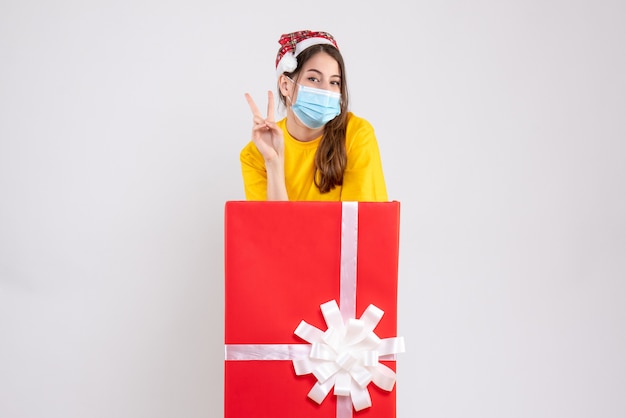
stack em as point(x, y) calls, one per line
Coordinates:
point(290, 102)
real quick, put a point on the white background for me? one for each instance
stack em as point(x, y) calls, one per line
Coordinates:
point(502, 128)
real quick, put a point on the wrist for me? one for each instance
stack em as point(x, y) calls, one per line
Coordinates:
point(274, 163)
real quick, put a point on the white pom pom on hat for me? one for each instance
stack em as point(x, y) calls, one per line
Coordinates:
point(292, 44)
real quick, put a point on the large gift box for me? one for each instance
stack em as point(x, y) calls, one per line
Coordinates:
point(310, 309)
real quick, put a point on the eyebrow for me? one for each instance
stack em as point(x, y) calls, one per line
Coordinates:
point(320, 73)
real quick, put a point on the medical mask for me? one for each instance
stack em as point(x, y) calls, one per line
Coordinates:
point(316, 107)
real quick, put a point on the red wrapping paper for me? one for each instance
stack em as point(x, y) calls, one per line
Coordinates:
point(282, 261)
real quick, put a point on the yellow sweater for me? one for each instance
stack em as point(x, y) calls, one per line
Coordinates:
point(363, 178)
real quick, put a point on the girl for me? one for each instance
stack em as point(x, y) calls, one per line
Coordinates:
point(320, 150)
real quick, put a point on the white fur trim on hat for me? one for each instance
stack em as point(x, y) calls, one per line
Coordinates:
point(289, 62)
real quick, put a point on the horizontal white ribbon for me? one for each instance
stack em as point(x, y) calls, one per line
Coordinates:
point(251, 352)
point(248, 352)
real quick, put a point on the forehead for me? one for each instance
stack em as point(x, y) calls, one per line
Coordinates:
point(324, 63)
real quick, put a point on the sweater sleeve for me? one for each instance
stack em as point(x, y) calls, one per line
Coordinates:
point(363, 179)
point(253, 172)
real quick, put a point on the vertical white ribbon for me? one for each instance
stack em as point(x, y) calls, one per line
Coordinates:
point(349, 242)
point(344, 407)
point(347, 280)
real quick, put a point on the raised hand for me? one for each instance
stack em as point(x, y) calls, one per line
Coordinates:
point(267, 137)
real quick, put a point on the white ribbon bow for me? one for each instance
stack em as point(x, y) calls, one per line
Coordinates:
point(346, 356)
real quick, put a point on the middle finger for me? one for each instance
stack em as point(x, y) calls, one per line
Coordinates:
point(270, 106)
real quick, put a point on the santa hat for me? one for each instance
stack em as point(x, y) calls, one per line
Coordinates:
point(292, 44)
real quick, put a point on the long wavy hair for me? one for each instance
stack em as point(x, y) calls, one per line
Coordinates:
point(331, 157)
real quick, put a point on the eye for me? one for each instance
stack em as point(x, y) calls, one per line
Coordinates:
point(336, 83)
point(313, 79)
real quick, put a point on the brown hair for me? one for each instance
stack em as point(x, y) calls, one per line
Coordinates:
point(331, 156)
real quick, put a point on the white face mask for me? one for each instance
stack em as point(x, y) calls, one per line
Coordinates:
point(316, 107)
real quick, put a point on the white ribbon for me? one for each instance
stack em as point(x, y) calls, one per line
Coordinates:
point(345, 356)
point(349, 244)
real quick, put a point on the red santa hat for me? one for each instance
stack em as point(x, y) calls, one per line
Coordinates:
point(292, 44)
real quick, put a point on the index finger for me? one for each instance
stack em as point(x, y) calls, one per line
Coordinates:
point(253, 107)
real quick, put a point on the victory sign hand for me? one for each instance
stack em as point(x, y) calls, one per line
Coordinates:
point(267, 137)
